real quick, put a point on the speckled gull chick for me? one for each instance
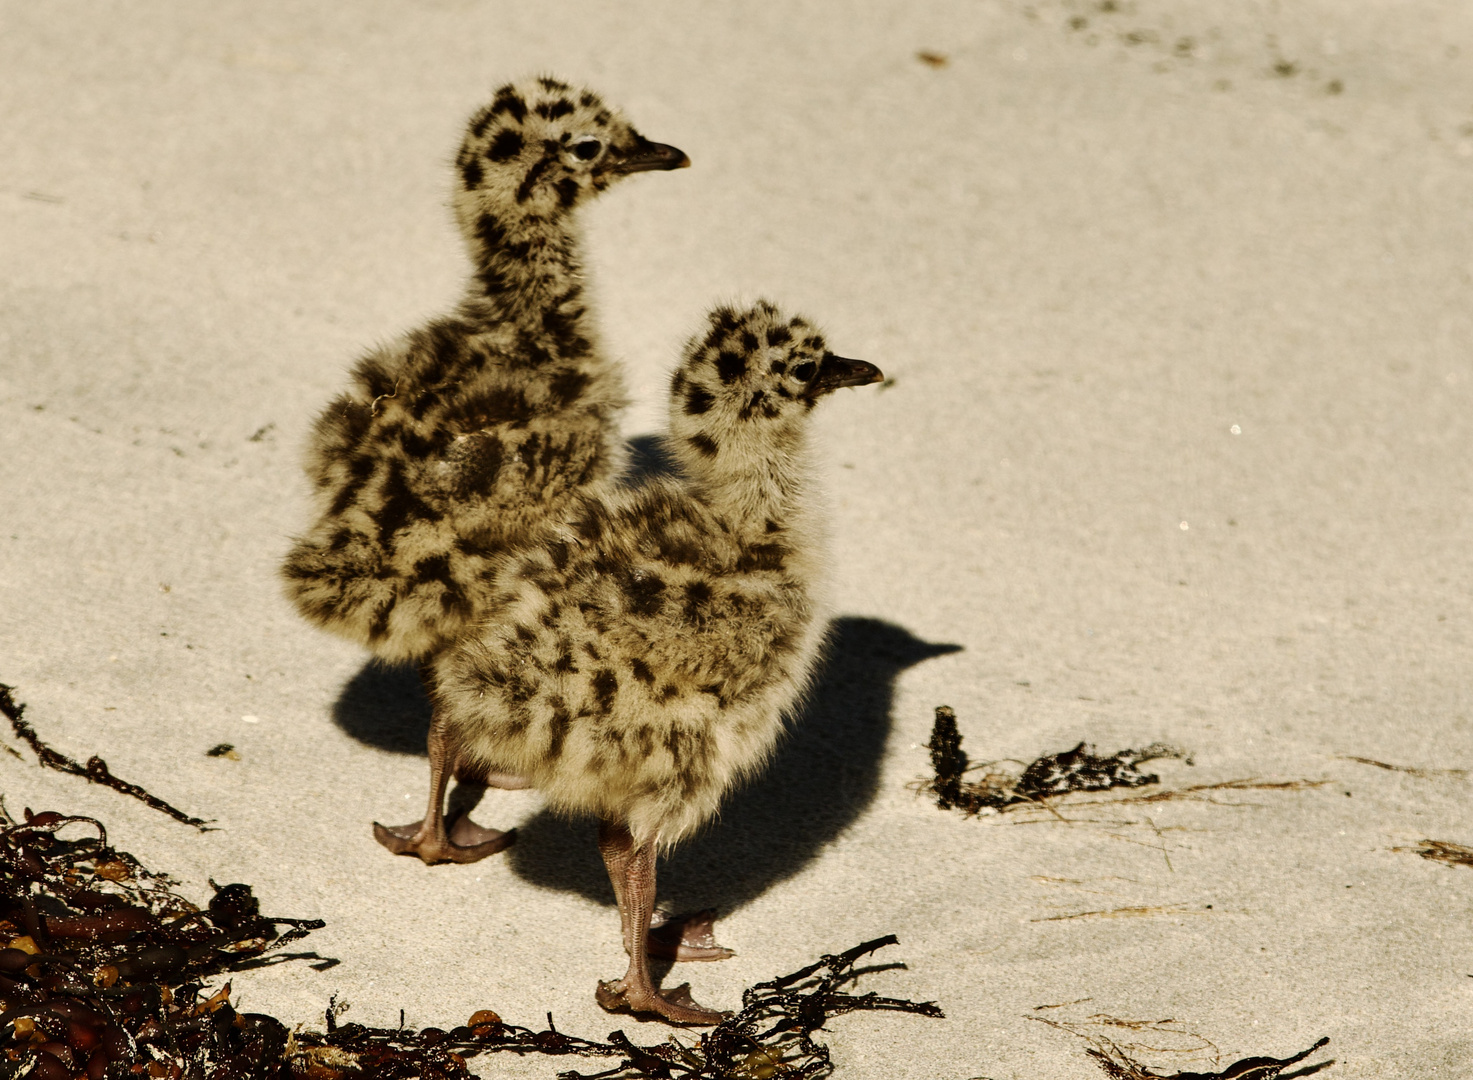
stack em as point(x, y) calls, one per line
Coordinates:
point(463, 438)
point(647, 652)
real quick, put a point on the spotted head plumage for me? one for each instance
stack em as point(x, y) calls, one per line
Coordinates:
point(746, 382)
point(542, 146)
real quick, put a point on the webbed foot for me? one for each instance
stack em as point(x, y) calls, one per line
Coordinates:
point(685, 937)
point(676, 1005)
point(466, 841)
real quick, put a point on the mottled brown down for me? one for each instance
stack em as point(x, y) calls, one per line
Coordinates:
point(648, 649)
point(461, 439)
point(646, 655)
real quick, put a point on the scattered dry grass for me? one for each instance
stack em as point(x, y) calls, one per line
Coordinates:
point(1442, 851)
point(1117, 1045)
point(1425, 774)
point(1126, 913)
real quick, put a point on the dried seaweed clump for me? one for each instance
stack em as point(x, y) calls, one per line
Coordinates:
point(101, 969)
point(770, 1039)
point(1079, 769)
point(772, 1036)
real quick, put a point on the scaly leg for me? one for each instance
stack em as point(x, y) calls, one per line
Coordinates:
point(671, 937)
point(617, 848)
point(631, 869)
point(428, 838)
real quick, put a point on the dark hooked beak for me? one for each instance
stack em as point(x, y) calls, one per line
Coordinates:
point(647, 156)
point(837, 371)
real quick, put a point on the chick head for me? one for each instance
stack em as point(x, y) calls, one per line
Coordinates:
point(541, 147)
point(750, 377)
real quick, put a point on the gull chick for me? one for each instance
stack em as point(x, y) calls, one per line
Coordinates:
point(646, 653)
point(463, 438)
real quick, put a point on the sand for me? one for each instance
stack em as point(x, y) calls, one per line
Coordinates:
point(1176, 302)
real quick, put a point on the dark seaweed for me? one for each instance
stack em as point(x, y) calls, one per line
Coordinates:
point(772, 1036)
point(1079, 769)
point(1118, 1066)
point(102, 965)
point(949, 761)
point(770, 1039)
point(95, 770)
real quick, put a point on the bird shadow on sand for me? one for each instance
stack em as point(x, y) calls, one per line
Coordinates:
point(385, 706)
point(825, 772)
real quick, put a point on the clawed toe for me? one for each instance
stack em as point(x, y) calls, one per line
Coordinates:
point(686, 937)
point(397, 838)
point(467, 842)
point(675, 1005)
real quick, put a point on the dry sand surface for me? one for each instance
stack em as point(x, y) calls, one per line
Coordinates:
point(1176, 302)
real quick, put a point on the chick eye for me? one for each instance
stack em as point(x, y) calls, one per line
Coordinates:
point(587, 149)
point(805, 370)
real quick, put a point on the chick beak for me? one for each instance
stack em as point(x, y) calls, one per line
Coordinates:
point(837, 371)
point(646, 156)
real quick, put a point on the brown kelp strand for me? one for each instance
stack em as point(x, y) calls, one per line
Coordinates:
point(95, 770)
point(996, 788)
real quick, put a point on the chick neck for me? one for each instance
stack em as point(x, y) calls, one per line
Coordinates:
point(528, 270)
point(758, 482)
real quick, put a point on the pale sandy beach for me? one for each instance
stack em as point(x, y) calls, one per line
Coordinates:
point(1177, 301)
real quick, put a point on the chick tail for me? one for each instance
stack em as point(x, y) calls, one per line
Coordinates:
point(347, 586)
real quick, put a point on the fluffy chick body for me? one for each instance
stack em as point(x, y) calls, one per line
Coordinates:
point(642, 668)
point(459, 441)
point(649, 653)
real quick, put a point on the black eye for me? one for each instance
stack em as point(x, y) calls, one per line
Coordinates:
point(805, 371)
point(587, 149)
